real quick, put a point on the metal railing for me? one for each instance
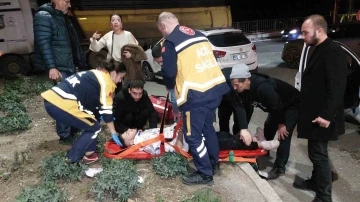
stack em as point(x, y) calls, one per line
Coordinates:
point(284, 23)
point(267, 25)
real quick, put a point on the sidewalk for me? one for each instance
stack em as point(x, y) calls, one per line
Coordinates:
point(240, 182)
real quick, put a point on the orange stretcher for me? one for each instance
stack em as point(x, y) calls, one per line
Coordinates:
point(112, 150)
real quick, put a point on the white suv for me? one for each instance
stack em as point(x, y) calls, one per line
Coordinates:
point(229, 45)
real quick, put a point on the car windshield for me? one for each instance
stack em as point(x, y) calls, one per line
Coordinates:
point(228, 39)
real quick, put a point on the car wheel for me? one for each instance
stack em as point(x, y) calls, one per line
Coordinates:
point(96, 58)
point(147, 70)
point(292, 58)
point(12, 65)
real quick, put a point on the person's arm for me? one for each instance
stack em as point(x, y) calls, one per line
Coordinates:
point(43, 38)
point(169, 67)
point(119, 113)
point(133, 39)
point(238, 106)
point(336, 76)
point(272, 101)
point(97, 45)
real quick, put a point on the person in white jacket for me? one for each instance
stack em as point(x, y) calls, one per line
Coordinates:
point(113, 40)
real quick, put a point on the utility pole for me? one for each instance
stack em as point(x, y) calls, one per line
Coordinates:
point(351, 6)
point(335, 11)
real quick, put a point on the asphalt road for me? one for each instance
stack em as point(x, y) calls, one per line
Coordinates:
point(344, 154)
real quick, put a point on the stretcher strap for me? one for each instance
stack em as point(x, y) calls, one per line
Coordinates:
point(238, 159)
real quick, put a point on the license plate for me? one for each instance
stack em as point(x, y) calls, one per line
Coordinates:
point(239, 56)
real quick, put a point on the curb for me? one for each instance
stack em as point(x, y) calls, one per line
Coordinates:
point(264, 187)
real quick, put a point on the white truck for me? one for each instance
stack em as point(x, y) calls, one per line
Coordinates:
point(16, 36)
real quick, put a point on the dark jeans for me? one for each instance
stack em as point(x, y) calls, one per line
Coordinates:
point(270, 129)
point(62, 130)
point(225, 110)
point(321, 174)
point(88, 139)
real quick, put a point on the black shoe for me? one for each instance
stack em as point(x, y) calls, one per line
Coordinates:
point(275, 173)
point(216, 168)
point(308, 185)
point(316, 199)
point(334, 176)
point(196, 178)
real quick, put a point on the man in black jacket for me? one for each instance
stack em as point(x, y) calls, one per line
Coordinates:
point(278, 98)
point(57, 48)
point(321, 114)
point(133, 108)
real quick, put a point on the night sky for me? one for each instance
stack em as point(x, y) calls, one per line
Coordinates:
point(244, 10)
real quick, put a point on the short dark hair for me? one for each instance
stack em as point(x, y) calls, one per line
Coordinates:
point(318, 21)
point(156, 50)
point(116, 15)
point(136, 84)
point(112, 65)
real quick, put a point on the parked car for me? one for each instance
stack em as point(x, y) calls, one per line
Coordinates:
point(230, 47)
point(346, 33)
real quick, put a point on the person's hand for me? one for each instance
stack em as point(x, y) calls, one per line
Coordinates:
point(322, 122)
point(54, 74)
point(245, 136)
point(283, 133)
point(116, 139)
point(96, 35)
point(127, 54)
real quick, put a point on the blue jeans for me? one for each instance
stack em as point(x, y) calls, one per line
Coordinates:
point(62, 130)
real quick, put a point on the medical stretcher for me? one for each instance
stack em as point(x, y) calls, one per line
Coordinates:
point(112, 150)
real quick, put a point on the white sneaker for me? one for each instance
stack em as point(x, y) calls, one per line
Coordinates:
point(270, 145)
point(260, 134)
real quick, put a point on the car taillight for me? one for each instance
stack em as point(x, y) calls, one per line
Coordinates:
point(219, 54)
point(254, 48)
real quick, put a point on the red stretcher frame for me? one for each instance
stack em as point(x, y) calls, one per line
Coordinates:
point(112, 150)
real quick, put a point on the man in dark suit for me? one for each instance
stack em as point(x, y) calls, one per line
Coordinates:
point(321, 114)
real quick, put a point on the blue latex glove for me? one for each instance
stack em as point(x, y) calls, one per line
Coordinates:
point(116, 139)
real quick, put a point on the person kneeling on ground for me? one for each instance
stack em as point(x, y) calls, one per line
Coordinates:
point(133, 108)
point(227, 141)
point(79, 101)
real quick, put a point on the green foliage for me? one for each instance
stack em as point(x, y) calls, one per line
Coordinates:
point(201, 196)
point(57, 167)
point(15, 91)
point(41, 193)
point(171, 164)
point(117, 181)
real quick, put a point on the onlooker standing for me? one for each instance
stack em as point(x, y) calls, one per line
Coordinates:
point(113, 40)
point(190, 68)
point(321, 114)
point(57, 47)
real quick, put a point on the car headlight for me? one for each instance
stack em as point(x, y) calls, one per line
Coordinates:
point(294, 31)
point(282, 32)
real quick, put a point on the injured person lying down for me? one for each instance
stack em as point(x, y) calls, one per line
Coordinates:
point(226, 140)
